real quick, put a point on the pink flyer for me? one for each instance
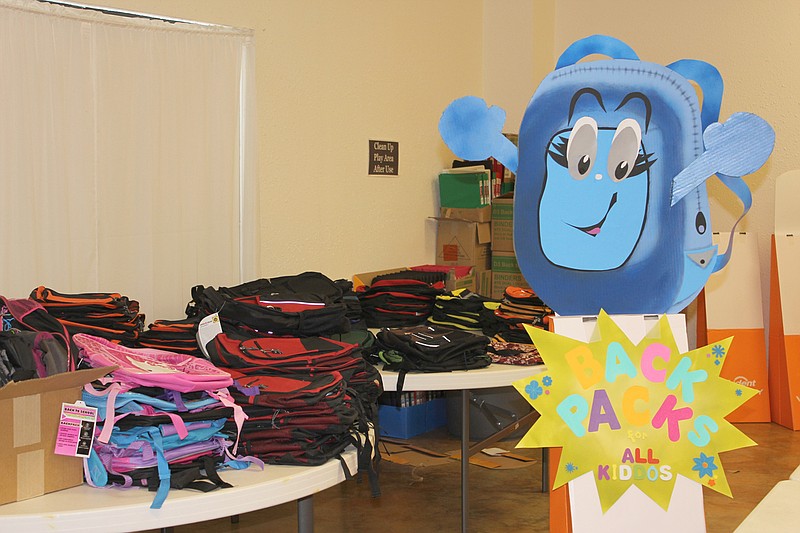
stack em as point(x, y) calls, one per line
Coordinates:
point(76, 429)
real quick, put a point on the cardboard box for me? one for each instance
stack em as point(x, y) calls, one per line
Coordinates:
point(480, 214)
point(483, 282)
point(407, 422)
point(503, 223)
point(458, 276)
point(462, 242)
point(505, 272)
point(365, 279)
point(30, 412)
point(452, 282)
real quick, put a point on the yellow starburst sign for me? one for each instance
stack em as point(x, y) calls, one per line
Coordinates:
point(634, 414)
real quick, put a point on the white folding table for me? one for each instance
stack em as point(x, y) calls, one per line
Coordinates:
point(778, 510)
point(494, 375)
point(86, 509)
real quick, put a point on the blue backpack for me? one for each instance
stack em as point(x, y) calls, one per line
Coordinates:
point(610, 208)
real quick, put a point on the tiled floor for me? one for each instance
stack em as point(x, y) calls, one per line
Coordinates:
point(427, 499)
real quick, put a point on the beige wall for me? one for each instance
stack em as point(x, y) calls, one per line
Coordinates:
point(330, 77)
point(517, 53)
point(508, 54)
point(754, 46)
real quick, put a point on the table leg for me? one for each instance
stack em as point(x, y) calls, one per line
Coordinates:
point(560, 514)
point(545, 470)
point(465, 409)
point(305, 515)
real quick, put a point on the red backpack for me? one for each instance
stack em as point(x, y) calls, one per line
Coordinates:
point(287, 355)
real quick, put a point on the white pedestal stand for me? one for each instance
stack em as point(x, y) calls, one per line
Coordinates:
point(634, 511)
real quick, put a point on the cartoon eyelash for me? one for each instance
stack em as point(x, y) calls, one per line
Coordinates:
point(643, 163)
point(559, 151)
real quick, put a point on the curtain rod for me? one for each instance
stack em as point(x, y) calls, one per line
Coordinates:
point(117, 12)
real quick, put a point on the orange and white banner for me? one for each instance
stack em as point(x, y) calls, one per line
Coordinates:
point(731, 305)
point(784, 332)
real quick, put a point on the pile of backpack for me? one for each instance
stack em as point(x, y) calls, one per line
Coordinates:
point(300, 394)
point(172, 335)
point(464, 309)
point(403, 298)
point(306, 304)
point(102, 314)
point(162, 417)
point(506, 320)
point(429, 348)
point(286, 379)
point(307, 396)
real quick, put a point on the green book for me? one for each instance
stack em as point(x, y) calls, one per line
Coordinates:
point(467, 187)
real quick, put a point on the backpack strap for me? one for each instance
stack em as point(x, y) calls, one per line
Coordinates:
point(710, 82)
point(193, 478)
point(595, 44)
point(94, 471)
point(738, 186)
point(239, 416)
point(111, 417)
point(38, 356)
point(177, 399)
point(164, 473)
point(111, 393)
point(210, 467)
point(365, 438)
point(709, 79)
point(401, 379)
point(348, 475)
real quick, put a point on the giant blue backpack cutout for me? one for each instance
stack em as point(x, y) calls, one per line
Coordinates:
point(610, 205)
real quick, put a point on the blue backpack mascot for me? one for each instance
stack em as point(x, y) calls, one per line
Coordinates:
point(610, 204)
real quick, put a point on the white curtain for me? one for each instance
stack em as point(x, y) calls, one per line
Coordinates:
point(127, 155)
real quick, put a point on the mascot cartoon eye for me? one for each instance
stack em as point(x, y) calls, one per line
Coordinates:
point(582, 147)
point(624, 151)
point(625, 157)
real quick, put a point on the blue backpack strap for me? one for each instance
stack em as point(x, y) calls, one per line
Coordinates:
point(710, 82)
point(157, 442)
point(595, 44)
point(740, 189)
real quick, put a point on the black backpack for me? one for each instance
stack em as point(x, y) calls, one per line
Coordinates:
point(297, 314)
point(27, 315)
point(30, 354)
point(430, 348)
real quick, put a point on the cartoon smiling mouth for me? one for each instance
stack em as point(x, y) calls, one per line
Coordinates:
point(594, 229)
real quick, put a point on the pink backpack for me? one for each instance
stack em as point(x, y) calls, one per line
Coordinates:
point(150, 367)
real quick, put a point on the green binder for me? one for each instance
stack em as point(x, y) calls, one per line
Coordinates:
point(464, 189)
